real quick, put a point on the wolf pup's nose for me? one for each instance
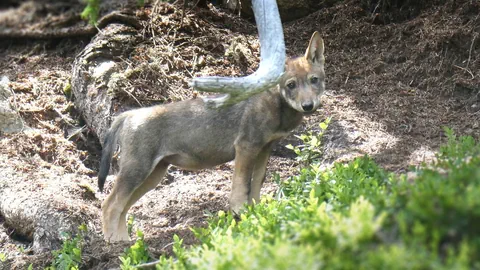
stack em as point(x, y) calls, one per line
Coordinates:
point(307, 106)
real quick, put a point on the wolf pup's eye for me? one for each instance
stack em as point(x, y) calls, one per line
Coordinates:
point(291, 85)
point(314, 80)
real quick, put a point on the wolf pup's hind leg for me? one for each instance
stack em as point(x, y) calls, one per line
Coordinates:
point(132, 175)
point(149, 184)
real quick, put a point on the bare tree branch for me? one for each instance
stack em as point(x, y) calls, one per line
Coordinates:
point(272, 61)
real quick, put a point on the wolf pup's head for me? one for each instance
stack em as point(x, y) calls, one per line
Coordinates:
point(303, 82)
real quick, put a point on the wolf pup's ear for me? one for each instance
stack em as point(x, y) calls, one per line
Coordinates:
point(314, 53)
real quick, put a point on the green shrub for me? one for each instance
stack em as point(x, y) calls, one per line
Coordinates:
point(136, 254)
point(441, 208)
point(353, 216)
point(91, 11)
point(70, 256)
point(309, 151)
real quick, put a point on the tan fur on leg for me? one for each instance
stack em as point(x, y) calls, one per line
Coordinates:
point(149, 184)
point(244, 164)
point(259, 174)
point(112, 208)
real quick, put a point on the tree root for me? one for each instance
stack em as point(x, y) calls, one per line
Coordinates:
point(87, 31)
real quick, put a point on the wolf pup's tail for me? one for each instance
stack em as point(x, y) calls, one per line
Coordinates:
point(108, 149)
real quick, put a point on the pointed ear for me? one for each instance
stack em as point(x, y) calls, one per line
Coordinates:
point(314, 53)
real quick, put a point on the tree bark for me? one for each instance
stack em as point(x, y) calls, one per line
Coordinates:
point(94, 72)
point(41, 217)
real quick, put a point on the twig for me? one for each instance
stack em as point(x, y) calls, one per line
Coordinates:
point(150, 264)
point(147, 265)
point(77, 132)
point(131, 95)
point(183, 13)
point(67, 120)
point(469, 72)
point(441, 61)
point(374, 10)
point(471, 47)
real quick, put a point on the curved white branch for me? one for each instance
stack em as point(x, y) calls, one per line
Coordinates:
point(272, 61)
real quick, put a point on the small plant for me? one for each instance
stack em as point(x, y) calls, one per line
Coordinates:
point(130, 221)
point(67, 90)
point(310, 149)
point(136, 254)
point(21, 249)
point(91, 11)
point(3, 257)
point(70, 256)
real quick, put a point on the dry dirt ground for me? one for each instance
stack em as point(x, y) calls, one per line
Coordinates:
point(392, 85)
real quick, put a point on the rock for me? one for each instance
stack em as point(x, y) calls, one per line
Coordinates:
point(10, 120)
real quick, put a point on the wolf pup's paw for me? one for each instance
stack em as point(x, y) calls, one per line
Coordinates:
point(238, 206)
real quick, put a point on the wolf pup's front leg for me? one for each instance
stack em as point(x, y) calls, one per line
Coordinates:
point(245, 156)
point(258, 175)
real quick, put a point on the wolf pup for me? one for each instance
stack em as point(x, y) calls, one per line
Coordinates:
point(192, 136)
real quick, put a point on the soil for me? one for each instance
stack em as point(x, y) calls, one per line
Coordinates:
point(392, 87)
